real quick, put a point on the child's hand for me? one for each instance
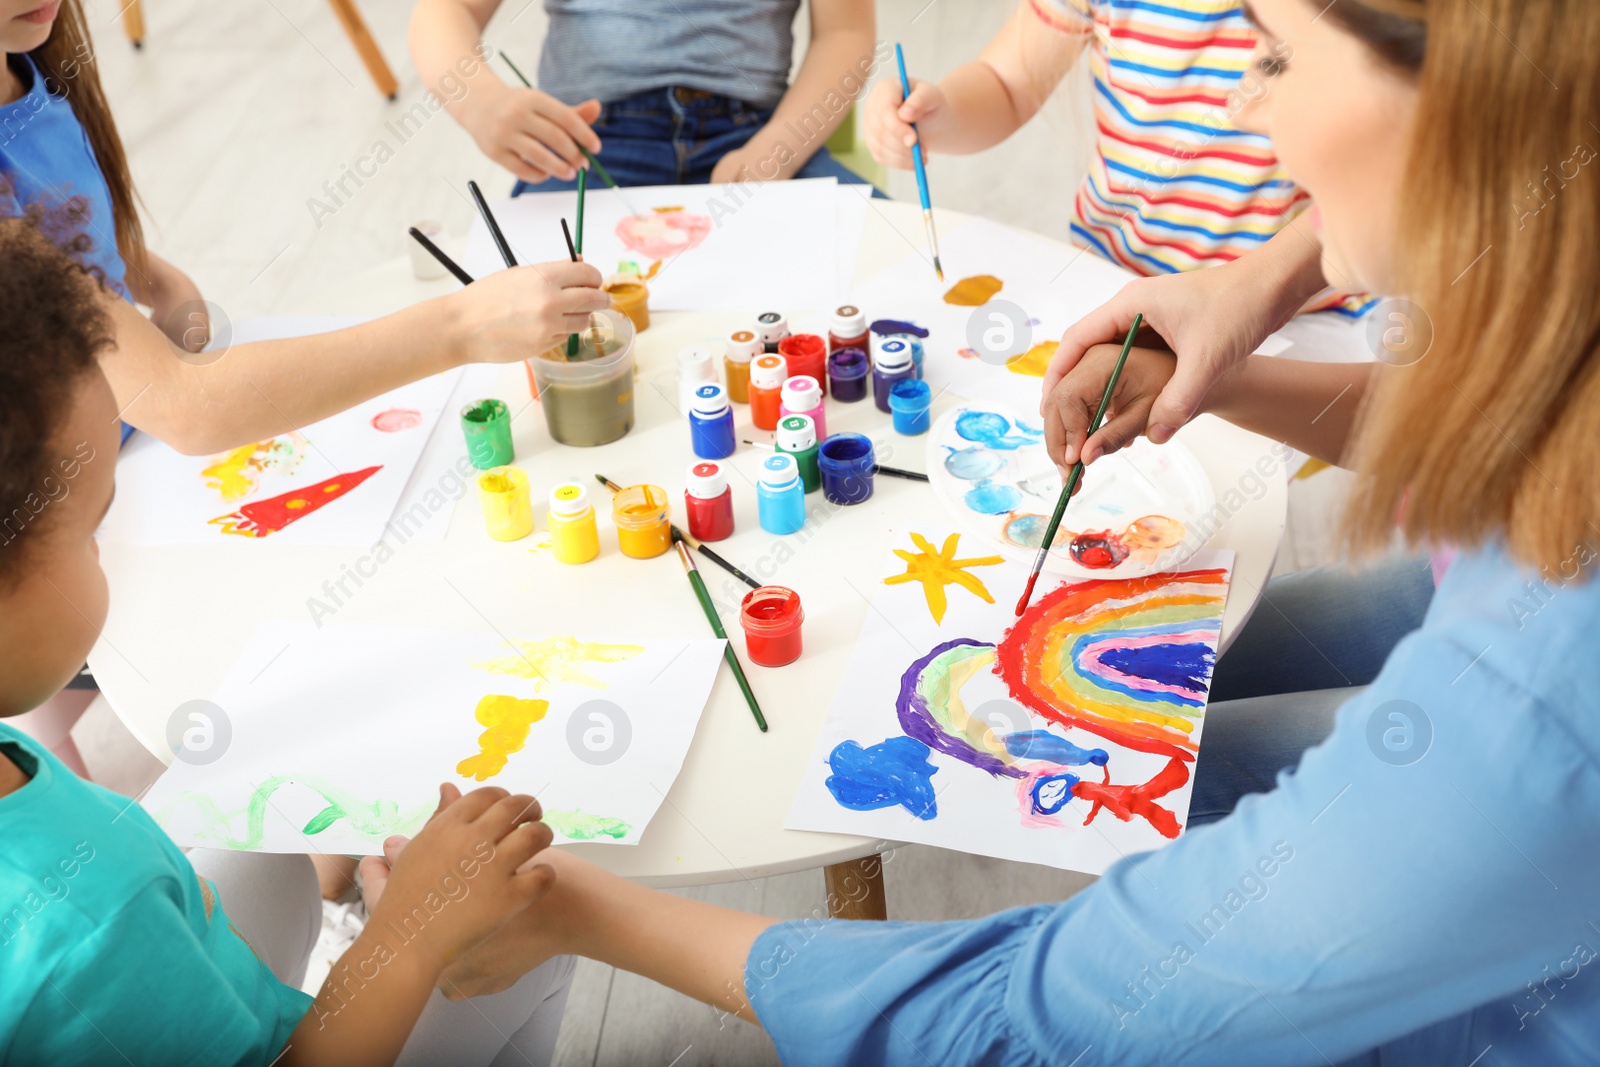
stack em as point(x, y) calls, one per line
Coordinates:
point(888, 119)
point(1068, 408)
point(458, 879)
point(531, 133)
point(518, 313)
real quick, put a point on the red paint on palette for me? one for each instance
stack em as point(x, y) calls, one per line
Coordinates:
point(260, 518)
point(1098, 549)
point(396, 419)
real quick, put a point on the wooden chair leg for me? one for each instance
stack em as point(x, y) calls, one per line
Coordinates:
point(356, 29)
point(855, 889)
point(133, 23)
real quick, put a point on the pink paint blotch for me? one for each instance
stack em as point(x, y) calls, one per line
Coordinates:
point(396, 419)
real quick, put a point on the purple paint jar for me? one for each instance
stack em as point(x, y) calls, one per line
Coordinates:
point(894, 363)
point(847, 374)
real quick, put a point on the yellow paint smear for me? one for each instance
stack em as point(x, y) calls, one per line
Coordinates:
point(937, 568)
point(554, 660)
point(1034, 361)
point(508, 720)
point(230, 475)
point(974, 291)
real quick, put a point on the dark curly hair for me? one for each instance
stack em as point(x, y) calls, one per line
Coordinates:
point(54, 330)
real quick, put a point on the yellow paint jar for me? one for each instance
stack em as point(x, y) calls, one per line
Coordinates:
point(574, 537)
point(630, 296)
point(641, 516)
point(507, 507)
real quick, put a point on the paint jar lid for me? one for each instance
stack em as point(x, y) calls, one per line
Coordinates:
point(801, 393)
point(569, 499)
point(707, 480)
point(773, 326)
point(796, 433)
point(848, 321)
point(768, 372)
point(891, 355)
point(779, 471)
point(694, 365)
point(743, 346)
point(710, 400)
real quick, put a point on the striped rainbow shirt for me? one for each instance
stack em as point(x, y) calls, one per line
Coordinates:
point(1173, 184)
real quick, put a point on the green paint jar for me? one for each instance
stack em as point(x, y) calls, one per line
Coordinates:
point(797, 436)
point(487, 426)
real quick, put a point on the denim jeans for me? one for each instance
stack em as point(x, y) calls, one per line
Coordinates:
point(675, 136)
point(1316, 637)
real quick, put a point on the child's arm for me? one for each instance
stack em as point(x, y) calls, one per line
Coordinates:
point(839, 58)
point(528, 132)
point(979, 104)
point(201, 405)
point(174, 302)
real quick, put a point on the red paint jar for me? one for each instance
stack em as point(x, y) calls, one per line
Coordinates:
point(771, 618)
point(709, 502)
point(849, 329)
point(806, 354)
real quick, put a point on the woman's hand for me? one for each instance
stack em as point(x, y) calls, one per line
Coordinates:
point(887, 119)
point(517, 313)
point(1069, 406)
point(530, 133)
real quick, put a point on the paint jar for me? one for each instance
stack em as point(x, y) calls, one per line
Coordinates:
point(910, 400)
point(780, 498)
point(574, 535)
point(695, 369)
point(588, 401)
point(487, 426)
point(631, 296)
point(847, 465)
point(641, 515)
point(801, 396)
point(711, 423)
point(507, 507)
point(849, 329)
point(709, 502)
point(742, 347)
point(891, 363)
point(917, 350)
point(771, 327)
point(797, 436)
point(771, 617)
point(847, 374)
point(766, 390)
point(806, 354)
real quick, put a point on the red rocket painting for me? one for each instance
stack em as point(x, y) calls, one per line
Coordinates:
point(262, 517)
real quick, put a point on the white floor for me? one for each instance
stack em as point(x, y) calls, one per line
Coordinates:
point(236, 113)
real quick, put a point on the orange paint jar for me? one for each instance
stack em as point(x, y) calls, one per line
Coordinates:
point(630, 296)
point(767, 375)
point(641, 514)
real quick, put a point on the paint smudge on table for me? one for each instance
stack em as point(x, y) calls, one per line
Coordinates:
point(396, 419)
point(508, 720)
point(552, 661)
point(974, 291)
point(262, 518)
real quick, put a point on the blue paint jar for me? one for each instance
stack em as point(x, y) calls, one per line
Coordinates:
point(847, 374)
point(916, 349)
point(847, 465)
point(910, 400)
point(891, 362)
point(711, 423)
point(780, 498)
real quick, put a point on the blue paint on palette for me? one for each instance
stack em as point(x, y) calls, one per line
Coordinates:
point(995, 430)
point(892, 772)
point(972, 464)
point(1185, 666)
point(1051, 748)
point(993, 498)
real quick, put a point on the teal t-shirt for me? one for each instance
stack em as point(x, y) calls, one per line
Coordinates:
point(106, 951)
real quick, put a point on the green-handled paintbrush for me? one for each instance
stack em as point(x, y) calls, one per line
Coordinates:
point(716, 628)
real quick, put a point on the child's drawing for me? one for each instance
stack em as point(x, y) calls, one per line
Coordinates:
point(664, 233)
point(247, 827)
point(937, 568)
point(554, 661)
point(394, 420)
point(508, 720)
point(262, 518)
point(974, 291)
point(236, 474)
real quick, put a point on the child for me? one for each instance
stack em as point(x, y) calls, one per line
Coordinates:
point(62, 164)
point(1418, 888)
point(115, 951)
point(695, 92)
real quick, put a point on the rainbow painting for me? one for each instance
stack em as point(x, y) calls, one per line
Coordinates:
point(1068, 736)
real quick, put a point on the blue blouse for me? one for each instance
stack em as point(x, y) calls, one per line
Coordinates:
point(1410, 897)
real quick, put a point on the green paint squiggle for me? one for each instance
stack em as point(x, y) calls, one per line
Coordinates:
point(581, 826)
point(376, 819)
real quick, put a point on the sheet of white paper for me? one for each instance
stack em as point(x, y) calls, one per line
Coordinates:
point(444, 474)
point(949, 733)
point(164, 497)
point(722, 248)
point(854, 203)
point(328, 740)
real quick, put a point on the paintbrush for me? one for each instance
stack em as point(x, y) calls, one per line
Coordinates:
point(921, 167)
point(594, 162)
point(438, 253)
point(679, 535)
point(716, 628)
point(1077, 468)
point(893, 472)
point(494, 227)
point(572, 338)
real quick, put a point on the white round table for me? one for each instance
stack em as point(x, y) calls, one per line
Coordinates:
point(181, 615)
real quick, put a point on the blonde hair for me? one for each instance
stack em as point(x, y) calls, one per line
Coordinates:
point(1494, 434)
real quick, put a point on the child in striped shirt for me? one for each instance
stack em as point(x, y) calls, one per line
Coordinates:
point(1173, 184)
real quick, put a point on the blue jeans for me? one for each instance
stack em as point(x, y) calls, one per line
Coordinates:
point(675, 136)
point(1314, 639)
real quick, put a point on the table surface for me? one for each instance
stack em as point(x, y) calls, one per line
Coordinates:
point(182, 614)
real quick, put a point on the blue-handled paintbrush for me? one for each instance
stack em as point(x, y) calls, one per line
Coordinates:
point(921, 168)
